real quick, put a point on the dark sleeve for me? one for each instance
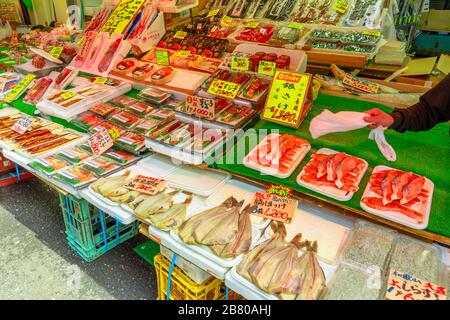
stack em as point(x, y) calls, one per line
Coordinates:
point(432, 108)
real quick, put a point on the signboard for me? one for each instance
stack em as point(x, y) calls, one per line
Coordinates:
point(22, 125)
point(100, 80)
point(402, 286)
point(55, 52)
point(289, 98)
point(19, 88)
point(267, 67)
point(201, 107)
point(340, 6)
point(183, 53)
point(226, 21)
point(67, 95)
point(180, 35)
point(213, 13)
point(274, 207)
point(360, 85)
point(252, 24)
point(224, 89)
point(240, 63)
point(147, 185)
point(162, 57)
point(295, 25)
point(122, 15)
point(100, 142)
point(279, 190)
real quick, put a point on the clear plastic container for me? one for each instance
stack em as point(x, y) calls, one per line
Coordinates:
point(417, 258)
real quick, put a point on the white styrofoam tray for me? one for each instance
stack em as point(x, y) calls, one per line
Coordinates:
point(395, 216)
point(158, 165)
point(272, 171)
point(332, 192)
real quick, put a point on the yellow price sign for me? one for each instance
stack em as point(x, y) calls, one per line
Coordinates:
point(224, 89)
point(295, 25)
point(252, 24)
point(68, 95)
point(213, 13)
point(122, 15)
point(340, 6)
point(19, 88)
point(240, 63)
point(180, 35)
point(114, 133)
point(162, 57)
point(183, 53)
point(80, 41)
point(100, 80)
point(287, 98)
point(226, 21)
point(267, 67)
point(55, 52)
point(372, 33)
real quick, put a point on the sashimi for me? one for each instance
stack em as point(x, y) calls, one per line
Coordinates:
point(377, 203)
point(412, 189)
point(349, 185)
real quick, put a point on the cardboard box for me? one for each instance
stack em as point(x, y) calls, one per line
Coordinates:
point(435, 20)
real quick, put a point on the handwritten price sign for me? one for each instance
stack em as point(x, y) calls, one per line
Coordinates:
point(147, 185)
point(180, 35)
point(240, 63)
point(122, 15)
point(360, 85)
point(201, 107)
point(19, 88)
point(226, 21)
point(340, 6)
point(22, 125)
point(402, 286)
point(274, 207)
point(100, 142)
point(55, 52)
point(213, 13)
point(68, 95)
point(267, 67)
point(224, 89)
point(252, 24)
point(162, 57)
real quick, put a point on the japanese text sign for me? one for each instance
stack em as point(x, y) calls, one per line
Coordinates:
point(279, 190)
point(252, 24)
point(372, 33)
point(147, 185)
point(295, 25)
point(162, 57)
point(19, 88)
point(224, 89)
point(183, 53)
point(100, 80)
point(340, 6)
point(274, 207)
point(100, 142)
point(180, 35)
point(213, 13)
point(201, 107)
point(359, 84)
point(402, 286)
point(226, 21)
point(55, 52)
point(68, 95)
point(267, 67)
point(122, 15)
point(240, 63)
point(287, 98)
point(21, 125)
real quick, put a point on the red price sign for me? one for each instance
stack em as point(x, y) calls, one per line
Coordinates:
point(100, 142)
point(201, 107)
point(224, 89)
point(147, 185)
point(274, 207)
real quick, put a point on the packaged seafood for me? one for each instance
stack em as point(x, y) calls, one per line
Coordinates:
point(285, 35)
point(50, 164)
point(174, 104)
point(334, 174)
point(76, 176)
point(105, 62)
point(125, 119)
point(226, 75)
point(131, 141)
point(75, 155)
point(39, 89)
point(316, 44)
point(100, 165)
point(143, 71)
point(180, 136)
point(147, 124)
point(326, 34)
point(121, 157)
point(235, 115)
point(87, 120)
point(103, 109)
point(403, 197)
point(277, 155)
point(357, 37)
point(163, 114)
point(254, 89)
point(154, 95)
point(280, 10)
point(261, 33)
point(65, 77)
point(358, 48)
point(141, 109)
point(113, 130)
point(126, 65)
point(205, 140)
point(162, 75)
point(122, 101)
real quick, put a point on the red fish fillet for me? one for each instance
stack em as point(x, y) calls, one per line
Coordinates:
point(412, 189)
point(332, 164)
point(344, 168)
point(349, 182)
point(399, 183)
point(376, 203)
point(386, 186)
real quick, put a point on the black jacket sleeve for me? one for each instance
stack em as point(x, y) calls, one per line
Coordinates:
point(432, 108)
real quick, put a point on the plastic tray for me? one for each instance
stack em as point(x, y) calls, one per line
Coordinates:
point(331, 192)
point(397, 217)
point(160, 165)
point(270, 171)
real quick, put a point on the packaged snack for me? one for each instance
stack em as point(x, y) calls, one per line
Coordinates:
point(120, 157)
point(75, 176)
point(50, 164)
point(75, 155)
point(100, 165)
point(131, 141)
point(87, 120)
point(326, 34)
point(154, 95)
point(125, 119)
point(358, 48)
point(356, 37)
point(280, 10)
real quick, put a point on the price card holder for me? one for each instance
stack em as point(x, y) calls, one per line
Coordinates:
point(22, 125)
point(224, 89)
point(267, 68)
point(162, 57)
point(100, 142)
point(147, 185)
point(240, 63)
point(289, 99)
point(274, 207)
point(55, 52)
point(201, 107)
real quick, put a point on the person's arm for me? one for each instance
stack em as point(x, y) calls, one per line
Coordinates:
point(433, 108)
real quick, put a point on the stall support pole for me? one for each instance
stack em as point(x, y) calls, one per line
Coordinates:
point(169, 276)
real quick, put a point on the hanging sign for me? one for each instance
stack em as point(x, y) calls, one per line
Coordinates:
point(240, 63)
point(340, 6)
point(213, 13)
point(274, 207)
point(402, 286)
point(55, 52)
point(267, 67)
point(100, 142)
point(180, 35)
point(122, 15)
point(252, 24)
point(201, 107)
point(22, 125)
point(162, 57)
point(19, 88)
point(289, 98)
point(224, 89)
point(147, 185)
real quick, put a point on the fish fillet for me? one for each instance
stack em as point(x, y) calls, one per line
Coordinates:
point(399, 183)
point(376, 203)
point(344, 168)
point(332, 164)
point(386, 186)
point(412, 189)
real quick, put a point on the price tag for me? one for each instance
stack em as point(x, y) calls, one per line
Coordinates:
point(226, 21)
point(68, 95)
point(240, 63)
point(213, 13)
point(295, 25)
point(279, 190)
point(122, 15)
point(147, 185)
point(162, 57)
point(372, 33)
point(22, 125)
point(100, 80)
point(114, 133)
point(183, 53)
point(252, 24)
point(100, 142)
point(287, 100)
point(201, 107)
point(360, 85)
point(402, 286)
point(180, 35)
point(267, 67)
point(274, 207)
point(340, 6)
point(19, 88)
point(80, 41)
point(55, 52)
point(224, 89)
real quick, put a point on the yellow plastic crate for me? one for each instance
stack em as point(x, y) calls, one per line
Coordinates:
point(182, 287)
